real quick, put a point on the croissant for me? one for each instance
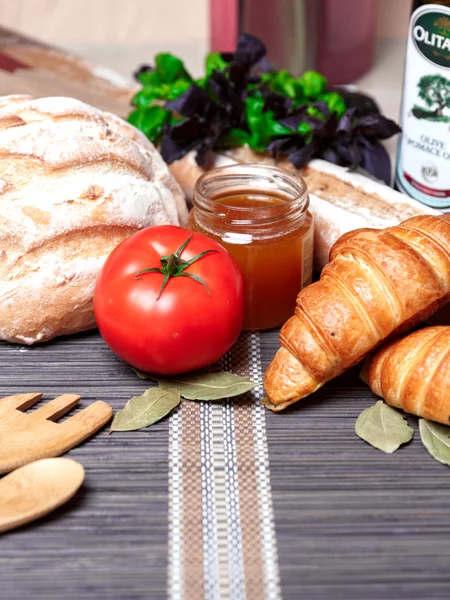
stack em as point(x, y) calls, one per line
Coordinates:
point(413, 373)
point(377, 283)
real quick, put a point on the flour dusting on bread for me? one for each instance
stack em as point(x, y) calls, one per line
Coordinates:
point(74, 182)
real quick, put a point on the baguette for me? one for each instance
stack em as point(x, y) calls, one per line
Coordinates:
point(378, 283)
point(413, 373)
point(340, 200)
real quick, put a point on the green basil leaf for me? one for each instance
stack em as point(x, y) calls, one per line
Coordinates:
point(233, 137)
point(272, 127)
point(214, 62)
point(150, 120)
point(170, 68)
point(176, 89)
point(143, 411)
point(208, 386)
point(266, 77)
point(144, 97)
point(436, 439)
point(304, 129)
point(383, 427)
point(335, 102)
point(300, 100)
point(313, 84)
point(150, 78)
point(254, 117)
point(284, 83)
point(315, 112)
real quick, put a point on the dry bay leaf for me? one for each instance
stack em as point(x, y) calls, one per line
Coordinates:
point(436, 439)
point(383, 427)
point(142, 374)
point(142, 411)
point(209, 386)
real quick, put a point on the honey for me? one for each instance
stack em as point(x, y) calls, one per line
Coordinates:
point(259, 214)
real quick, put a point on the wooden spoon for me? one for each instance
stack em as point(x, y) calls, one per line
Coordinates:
point(36, 489)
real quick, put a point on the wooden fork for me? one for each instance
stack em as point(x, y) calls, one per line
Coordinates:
point(28, 437)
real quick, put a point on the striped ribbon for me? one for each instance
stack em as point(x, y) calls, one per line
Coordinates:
point(221, 529)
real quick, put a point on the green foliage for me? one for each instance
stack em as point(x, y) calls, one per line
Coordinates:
point(313, 84)
point(167, 81)
point(284, 83)
point(234, 137)
point(150, 120)
point(171, 69)
point(214, 62)
point(262, 124)
point(334, 101)
point(170, 79)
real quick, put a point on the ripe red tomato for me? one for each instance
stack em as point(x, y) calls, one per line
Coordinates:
point(169, 324)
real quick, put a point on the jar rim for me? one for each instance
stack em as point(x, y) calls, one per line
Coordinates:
point(251, 172)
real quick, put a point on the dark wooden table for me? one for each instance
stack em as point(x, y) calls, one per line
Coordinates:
point(351, 522)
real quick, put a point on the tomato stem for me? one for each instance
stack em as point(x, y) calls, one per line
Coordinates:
point(173, 265)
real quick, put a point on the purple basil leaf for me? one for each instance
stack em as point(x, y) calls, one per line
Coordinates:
point(277, 103)
point(375, 160)
point(362, 103)
point(275, 147)
point(172, 150)
point(238, 74)
point(345, 125)
point(188, 130)
point(331, 155)
point(227, 56)
point(202, 157)
point(323, 107)
point(249, 50)
point(300, 157)
point(264, 65)
point(293, 120)
point(229, 99)
point(193, 101)
point(377, 126)
point(350, 153)
point(254, 78)
point(325, 130)
point(283, 146)
point(318, 125)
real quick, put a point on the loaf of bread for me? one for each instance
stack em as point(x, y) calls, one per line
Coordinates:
point(340, 200)
point(378, 283)
point(413, 373)
point(343, 201)
point(74, 182)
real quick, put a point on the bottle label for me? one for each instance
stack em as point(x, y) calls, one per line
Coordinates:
point(423, 164)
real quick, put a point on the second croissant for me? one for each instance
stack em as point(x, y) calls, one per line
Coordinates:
point(412, 373)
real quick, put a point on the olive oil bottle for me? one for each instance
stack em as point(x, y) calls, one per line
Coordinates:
point(423, 160)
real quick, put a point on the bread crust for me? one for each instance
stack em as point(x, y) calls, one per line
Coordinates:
point(377, 284)
point(412, 373)
point(74, 182)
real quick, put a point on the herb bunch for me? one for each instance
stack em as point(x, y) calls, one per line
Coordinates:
point(242, 101)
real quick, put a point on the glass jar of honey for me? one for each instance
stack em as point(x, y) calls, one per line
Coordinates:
point(260, 215)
